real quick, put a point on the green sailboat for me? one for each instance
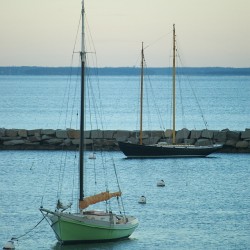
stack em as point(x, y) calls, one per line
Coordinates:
point(88, 225)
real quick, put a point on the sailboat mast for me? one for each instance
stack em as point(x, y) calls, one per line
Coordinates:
point(81, 151)
point(174, 72)
point(141, 99)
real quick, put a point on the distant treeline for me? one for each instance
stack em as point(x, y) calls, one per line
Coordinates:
point(216, 71)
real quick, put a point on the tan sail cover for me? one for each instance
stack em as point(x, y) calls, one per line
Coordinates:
point(104, 196)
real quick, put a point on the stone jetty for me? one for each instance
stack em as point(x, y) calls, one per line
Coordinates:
point(51, 139)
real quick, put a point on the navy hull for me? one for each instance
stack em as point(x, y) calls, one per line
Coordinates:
point(147, 151)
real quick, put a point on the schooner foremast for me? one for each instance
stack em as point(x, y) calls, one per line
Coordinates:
point(141, 98)
point(174, 72)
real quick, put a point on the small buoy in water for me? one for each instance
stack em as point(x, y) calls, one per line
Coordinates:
point(9, 245)
point(92, 156)
point(142, 200)
point(161, 183)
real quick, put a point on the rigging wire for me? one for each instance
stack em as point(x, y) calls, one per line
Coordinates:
point(162, 127)
point(66, 99)
point(91, 126)
point(158, 113)
point(70, 109)
point(137, 105)
point(118, 184)
point(193, 92)
point(179, 81)
point(157, 40)
point(97, 104)
point(69, 80)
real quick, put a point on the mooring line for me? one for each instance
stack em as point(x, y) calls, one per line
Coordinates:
point(17, 238)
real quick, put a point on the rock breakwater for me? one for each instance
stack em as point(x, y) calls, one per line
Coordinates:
point(50, 139)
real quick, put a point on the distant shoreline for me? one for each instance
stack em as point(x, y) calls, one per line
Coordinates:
point(115, 71)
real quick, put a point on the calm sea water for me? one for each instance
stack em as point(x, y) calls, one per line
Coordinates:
point(204, 205)
point(31, 102)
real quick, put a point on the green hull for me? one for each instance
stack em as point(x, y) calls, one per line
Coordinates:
point(70, 228)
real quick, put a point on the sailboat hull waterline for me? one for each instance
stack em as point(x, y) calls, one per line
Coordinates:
point(132, 150)
point(90, 227)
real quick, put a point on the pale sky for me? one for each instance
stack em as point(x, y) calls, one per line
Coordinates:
point(209, 32)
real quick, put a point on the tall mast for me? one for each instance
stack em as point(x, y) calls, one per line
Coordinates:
point(174, 72)
point(81, 152)
point(141, 100)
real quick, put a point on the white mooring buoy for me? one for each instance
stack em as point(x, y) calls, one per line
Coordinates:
point(161, 183)
point(9, 245)
point(142, 200)
point(92, 156)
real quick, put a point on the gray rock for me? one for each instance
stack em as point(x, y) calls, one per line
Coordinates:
point(156, 133)
point(220, 136)
point(145, 135)
point(233, 135)
point(182, 134)
point(14, 142)
point(10, 138)
point(36, 132)
point(87, 134)
point(86, 141)
point(11, 132)
point(73, 134)
point(96, 134)
point(98, 142)
point(134, 134)
point(2, 132)
point(48, 132)
point(108, 134)
point(34, 138)
point(54, 141)
point(22, 133)
point(168, 133)
point(32, 143)
point(230, 143)
point(122, 135)
point(189, 141)
point(207, 134)
point(46, 137)
point(75, 141)
point(203, 142)
point(61, 134)
point(179, 141)
point(109, 142)
point(241, 144)
point(67, 142)
point(245, 134)
point(122, 138)
point(151, 140)
point(133, 140)
point(195, 134)
point(168, 141)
